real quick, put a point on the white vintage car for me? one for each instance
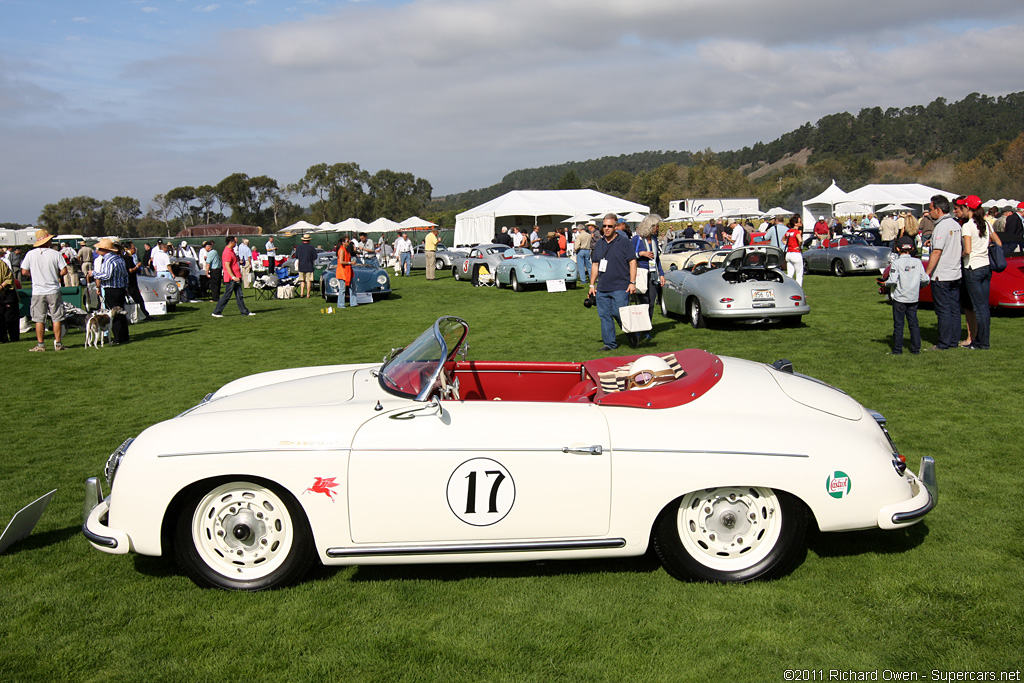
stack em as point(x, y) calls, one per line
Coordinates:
point(398, 463)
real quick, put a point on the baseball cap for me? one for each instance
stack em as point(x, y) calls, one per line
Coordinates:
point(905, 241)
point(970, 201)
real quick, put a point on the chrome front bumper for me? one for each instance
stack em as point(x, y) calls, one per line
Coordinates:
point(925, 489)
point(94, 528)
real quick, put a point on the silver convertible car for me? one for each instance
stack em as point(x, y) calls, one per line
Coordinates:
point(746, 285)
point(518, 269)
point(846, 255)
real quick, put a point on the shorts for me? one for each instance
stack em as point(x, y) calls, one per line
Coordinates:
point(47, 304)
point(306, 277)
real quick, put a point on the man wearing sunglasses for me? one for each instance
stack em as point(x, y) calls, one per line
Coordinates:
point(612, 277)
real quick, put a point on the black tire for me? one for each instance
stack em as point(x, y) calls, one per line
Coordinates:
point(731, 534)
point(513, 281)
point(172, 307)
point(806, 267)
point(242, 535)
point(838, 269)
point(571, 284)
point(455, 273)
point(383, 296)
point(697, 319)
point(792, 321)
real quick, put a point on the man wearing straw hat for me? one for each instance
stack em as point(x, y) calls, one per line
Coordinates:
point(46, 268)
point(305, 255)
point(112, 276)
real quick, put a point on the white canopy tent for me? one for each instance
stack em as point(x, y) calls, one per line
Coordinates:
point(479, 224)
point(778, 211)
point(327, 226)
point(380, 225)
point(414, 223)
point(351, 225)
point(300, 228)
point(834, 202)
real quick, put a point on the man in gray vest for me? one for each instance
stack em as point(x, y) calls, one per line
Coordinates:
point(944, 272)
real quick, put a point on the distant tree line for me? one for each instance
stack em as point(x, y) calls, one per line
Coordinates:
point(339, 191)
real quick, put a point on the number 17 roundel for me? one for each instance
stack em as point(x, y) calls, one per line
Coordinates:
point(481, 492)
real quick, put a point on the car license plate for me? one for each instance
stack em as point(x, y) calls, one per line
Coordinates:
point(764, 295)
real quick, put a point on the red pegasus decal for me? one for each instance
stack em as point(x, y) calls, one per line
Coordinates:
point(323, 485)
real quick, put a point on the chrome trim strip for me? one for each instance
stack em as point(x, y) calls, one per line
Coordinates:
point(250, 451)
point(705, 452)
point(460, 548)
point(106, 541)
point(931, 484)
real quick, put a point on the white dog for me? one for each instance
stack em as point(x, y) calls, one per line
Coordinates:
point(97, 324)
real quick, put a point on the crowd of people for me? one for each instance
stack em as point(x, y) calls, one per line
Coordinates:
point(618, 264)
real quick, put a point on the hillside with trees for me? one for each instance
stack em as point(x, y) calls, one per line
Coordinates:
point(974, 146)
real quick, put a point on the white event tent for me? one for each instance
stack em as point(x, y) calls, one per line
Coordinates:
point(480, 224)
point(416, 223)
point(382, 225)
point(868, 199)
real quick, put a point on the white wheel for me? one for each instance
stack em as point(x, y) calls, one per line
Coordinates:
point(242, 535)
point(731, 533)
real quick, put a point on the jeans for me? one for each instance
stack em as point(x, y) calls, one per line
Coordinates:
point(608, 305)
point(946, 295)
point(342, 286)
point(977, 281)
point(583, 265)
point(233, 287)
point(405, 262)
point(901, 310)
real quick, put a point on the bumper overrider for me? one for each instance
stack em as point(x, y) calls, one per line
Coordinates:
point(96, 508)
point(925, 489)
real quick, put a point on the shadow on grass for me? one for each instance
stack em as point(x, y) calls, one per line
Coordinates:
point(34, 541)
point(136, 335)
point(159, 567)
point(499, 570)
point(876, 541)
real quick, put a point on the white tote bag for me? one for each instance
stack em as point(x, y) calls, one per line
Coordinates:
point(641, 280)
point(635, 318)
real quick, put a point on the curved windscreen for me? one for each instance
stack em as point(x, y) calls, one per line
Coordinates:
point(415, 370)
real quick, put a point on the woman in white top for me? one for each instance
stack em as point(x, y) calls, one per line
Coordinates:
point(977, 274)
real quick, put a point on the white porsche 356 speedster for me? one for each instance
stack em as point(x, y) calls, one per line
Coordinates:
point(433, 458)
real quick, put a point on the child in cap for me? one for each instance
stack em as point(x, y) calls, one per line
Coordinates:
point(907, 273)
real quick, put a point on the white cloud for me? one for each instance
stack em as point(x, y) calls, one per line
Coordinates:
point(462, 91)
point(206, 8)
point(150, 9)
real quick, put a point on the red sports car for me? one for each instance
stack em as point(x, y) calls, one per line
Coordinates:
point(1006, 291)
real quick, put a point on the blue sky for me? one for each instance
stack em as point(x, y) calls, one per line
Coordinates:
point(135, 98)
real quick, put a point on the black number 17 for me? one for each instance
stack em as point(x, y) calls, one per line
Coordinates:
point(492, 501)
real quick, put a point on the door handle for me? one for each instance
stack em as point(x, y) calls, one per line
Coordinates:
point(583, 450)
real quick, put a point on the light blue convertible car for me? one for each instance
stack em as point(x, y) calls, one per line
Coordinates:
point(517, 269)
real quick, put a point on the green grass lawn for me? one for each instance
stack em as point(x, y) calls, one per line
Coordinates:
point(943, 595)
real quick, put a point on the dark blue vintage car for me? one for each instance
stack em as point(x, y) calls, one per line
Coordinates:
point(369, 280)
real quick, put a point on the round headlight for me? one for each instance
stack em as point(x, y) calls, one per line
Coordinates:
point(333, 283)
point(856, 259)
point(527, 268)
point(170, 288)
point(382, 279)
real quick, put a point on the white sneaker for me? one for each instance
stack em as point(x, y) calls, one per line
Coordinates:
point(250, 313)
point(216, 315)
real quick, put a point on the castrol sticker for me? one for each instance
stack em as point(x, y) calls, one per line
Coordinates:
point(838, 484)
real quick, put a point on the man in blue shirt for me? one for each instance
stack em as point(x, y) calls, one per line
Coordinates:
point(212, 265)
point(612, 277)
